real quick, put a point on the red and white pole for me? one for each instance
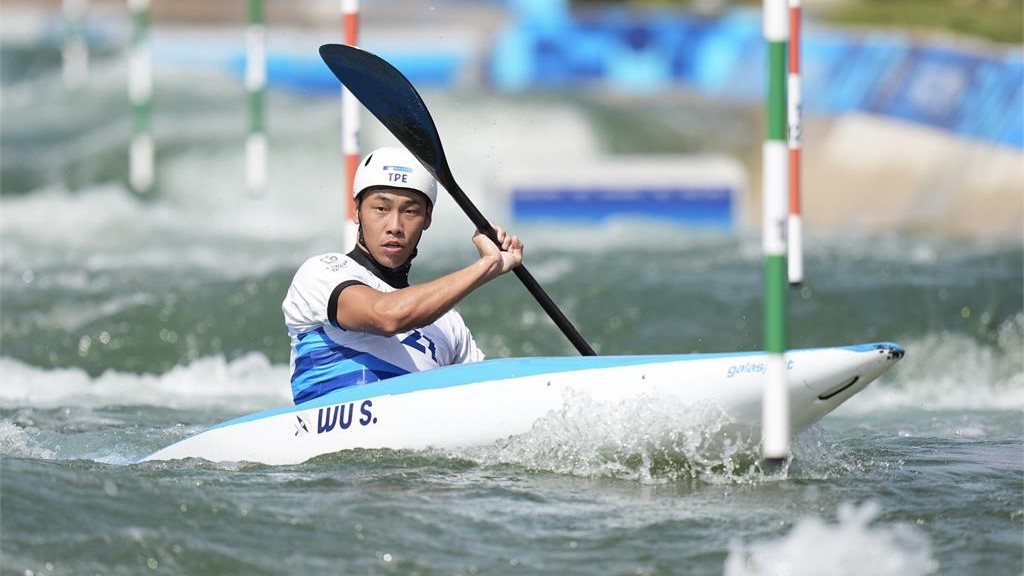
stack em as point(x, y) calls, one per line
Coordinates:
point(350, 125)
point(794, 107)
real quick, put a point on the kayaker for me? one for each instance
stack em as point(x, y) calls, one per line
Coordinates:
point(354, 318)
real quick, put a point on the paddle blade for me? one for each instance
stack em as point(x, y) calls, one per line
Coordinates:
point(393, 100)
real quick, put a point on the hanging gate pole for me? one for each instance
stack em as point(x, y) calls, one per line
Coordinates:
point(140, 92)
point(775, 408)
point(794, 96)
point(256, 85)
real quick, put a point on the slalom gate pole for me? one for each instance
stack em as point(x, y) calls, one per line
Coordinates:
point(350, 126)
point(794, 97)
point(75, 53)
point(256, 84)
point(140, 92)
point(775, 429)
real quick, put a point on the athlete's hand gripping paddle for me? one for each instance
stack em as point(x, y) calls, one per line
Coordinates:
point(393, 100)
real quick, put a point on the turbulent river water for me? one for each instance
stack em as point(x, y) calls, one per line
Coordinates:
point(129, 323)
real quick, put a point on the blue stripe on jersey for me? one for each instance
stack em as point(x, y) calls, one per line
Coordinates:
point(322, 365)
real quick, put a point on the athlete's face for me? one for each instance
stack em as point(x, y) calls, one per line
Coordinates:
point(393, 220)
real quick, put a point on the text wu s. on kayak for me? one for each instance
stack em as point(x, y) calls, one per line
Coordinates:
point(343, 416)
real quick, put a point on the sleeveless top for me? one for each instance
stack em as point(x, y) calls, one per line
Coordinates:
point(325, 356)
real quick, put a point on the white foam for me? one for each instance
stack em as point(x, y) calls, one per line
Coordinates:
point(245, 384)
point(18, 442)
point(852, 546)
point(675, 443)
point(204, 216)
point(953, 372)
point(72, 235)
point(595, 439)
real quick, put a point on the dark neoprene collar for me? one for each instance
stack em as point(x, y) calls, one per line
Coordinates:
point(395, 277)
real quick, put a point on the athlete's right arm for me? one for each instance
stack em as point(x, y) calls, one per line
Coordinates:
point(365, 309)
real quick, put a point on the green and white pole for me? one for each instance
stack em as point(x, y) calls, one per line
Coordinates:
point(794, 97)
point(75, 53)
point(775, 430)
point(140, 92)
point(350, 126)
point(256, 85)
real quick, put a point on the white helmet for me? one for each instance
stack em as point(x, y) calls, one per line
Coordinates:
point(393, 167)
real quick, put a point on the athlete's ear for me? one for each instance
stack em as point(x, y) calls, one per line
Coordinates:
point(359, 204)
point(429, 216)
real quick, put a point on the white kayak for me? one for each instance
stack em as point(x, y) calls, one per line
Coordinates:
point(482, 403)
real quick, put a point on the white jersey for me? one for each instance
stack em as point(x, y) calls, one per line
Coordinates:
point(325, 356)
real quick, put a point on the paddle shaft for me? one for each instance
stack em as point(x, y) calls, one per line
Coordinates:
point(527, 279)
